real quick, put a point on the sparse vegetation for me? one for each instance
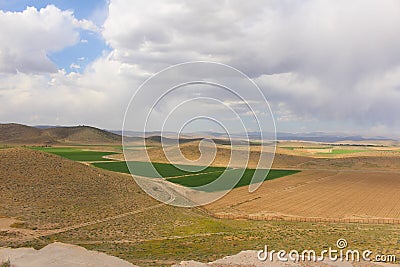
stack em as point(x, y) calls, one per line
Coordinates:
point(12, 133)
point(181, 234)
point(48, 192)
point(6, 263)
point(18, 225)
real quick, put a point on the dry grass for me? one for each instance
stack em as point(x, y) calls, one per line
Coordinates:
point(22, 134)
point(49, 192)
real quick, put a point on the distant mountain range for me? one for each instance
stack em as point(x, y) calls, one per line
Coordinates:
point(312, 137)
point(326, 137)
point(13, 133)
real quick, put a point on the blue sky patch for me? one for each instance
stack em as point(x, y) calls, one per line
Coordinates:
point(91, 44)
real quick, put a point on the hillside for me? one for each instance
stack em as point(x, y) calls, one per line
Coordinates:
point(82, 134)
point(21, 134)
point(47, 191)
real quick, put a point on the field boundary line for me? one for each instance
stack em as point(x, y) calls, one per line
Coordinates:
point(305, 219)
point(336, 170)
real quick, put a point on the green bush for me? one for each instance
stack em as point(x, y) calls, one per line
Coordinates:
point(6, 263)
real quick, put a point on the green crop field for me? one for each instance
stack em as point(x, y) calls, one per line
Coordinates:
point(191, 178)
point(304, 147)
point(343, 151)
point(164, 170)
point(223, 184)
point(76, 153)
point(119, 166)
point(288, 147)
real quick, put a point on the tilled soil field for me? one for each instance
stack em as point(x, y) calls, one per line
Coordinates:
point(319, 196)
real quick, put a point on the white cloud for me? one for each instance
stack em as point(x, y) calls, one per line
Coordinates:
point(74, 66)
point(28, 37)
point(97, 97)
point(327, 38)
point(333, 60)
point(317, 61)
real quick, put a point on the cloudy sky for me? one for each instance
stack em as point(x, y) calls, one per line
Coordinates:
point(329, 66)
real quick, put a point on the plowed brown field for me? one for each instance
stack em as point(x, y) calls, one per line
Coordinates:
point(318, 196)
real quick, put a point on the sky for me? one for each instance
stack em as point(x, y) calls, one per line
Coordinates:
point(329, 66)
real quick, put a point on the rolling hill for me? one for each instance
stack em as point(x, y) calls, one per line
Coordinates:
point(21, 134)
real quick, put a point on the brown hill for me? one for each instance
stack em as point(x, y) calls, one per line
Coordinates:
point(45, 198)
point(48, 191)
point(21, 134)
point(82, 134)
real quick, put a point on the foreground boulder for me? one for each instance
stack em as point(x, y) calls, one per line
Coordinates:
point(57, 255)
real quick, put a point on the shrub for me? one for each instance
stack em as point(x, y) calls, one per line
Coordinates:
point(6, 263)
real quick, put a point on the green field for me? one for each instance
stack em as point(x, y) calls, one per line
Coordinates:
point(334, 151)
point(194, 178)
point(76, 153)
point(146, 168)
point(304, 147)
point(343, 151)
point(223, 184)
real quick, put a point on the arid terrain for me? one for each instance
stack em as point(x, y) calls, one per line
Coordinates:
point(352, 194)
point(12, 133)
